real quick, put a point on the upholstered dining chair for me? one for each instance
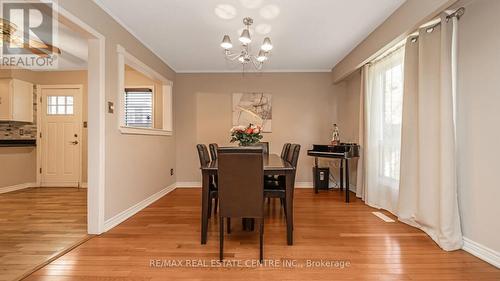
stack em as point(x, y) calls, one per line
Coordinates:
point(264, 145)
point(285, 150)
point(213, 194)
point(241, 188)
point(277, 188)
point(213, 150)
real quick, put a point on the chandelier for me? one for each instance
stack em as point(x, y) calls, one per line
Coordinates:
point(244, 56)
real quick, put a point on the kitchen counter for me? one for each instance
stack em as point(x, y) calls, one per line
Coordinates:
point(17, 142)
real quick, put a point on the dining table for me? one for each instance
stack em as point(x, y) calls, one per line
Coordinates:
point(273, 165)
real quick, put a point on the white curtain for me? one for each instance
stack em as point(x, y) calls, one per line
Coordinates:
point(428, 186)
point(360, 175)
point(381, 134)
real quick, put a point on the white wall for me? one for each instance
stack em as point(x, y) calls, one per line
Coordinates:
point(479, 122)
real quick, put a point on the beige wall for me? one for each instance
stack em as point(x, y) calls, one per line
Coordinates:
point(478, 122)
point(23, 169)
point(303, 112)
point(348, 116)
point(136, 165)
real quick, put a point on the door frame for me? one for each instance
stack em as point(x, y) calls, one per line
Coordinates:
point(96, 138)
point(39, 109)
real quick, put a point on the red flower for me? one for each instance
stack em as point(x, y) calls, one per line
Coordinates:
point(249, 131)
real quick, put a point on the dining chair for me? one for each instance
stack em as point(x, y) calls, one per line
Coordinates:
point(264, 145)
point(213, 150)
point(285, 150)
point(241, 184)
point(277, 188)
point(284, 154)
point(213, 194)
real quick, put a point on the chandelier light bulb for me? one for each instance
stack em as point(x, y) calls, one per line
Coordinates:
point(245, 37)
point(226, 42)
point(267, 45)
point(241, 59)
point(262, 57)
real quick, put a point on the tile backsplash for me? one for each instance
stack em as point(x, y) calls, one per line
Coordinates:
point(19, 130)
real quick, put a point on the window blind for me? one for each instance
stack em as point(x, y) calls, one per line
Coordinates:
point(139, 107)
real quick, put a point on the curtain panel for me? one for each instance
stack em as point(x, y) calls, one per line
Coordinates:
point(380, 131)
point(428, 181)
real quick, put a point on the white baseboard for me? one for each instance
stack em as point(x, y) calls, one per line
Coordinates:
point(121, 217)
point(304, 184)
point(59, 184)
point(194, 184)
point(190, 184)
point(486, 254)
point(17, 187)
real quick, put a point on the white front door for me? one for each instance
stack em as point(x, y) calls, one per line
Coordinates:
point(61, 136)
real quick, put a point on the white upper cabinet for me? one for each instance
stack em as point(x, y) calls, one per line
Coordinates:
point(16, 100)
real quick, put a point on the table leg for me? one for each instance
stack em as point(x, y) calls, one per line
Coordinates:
point(341, 174)
point(205, 189)
point(315, 170)
point(289, 208)
point(347, 180)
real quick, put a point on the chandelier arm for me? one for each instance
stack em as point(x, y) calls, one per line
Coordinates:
point(258, 65)
point(232, 57)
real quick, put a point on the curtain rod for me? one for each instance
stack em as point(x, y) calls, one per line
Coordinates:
point(458, 13)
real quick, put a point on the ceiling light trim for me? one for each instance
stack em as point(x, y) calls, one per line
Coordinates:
point(129, 30)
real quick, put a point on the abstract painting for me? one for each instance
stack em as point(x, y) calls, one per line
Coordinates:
point(254, 108)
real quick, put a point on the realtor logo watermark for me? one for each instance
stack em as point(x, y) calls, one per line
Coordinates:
point(29, 35)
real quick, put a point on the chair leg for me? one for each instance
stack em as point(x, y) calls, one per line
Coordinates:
point(209, 206)
point(228, 225)
point(215, 205)
point(261, 232)
point(221, 238)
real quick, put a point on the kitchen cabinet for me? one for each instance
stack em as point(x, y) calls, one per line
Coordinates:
point(16, 100)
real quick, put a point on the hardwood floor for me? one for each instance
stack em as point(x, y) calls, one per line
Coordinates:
point(38, 223)
point(358, 245)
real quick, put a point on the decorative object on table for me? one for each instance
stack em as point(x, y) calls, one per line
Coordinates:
point(335, 135)
point(246, 135)
point(244, 57)
point(254, 108)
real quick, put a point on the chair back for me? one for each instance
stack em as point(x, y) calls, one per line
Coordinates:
point(285, 150)
point(295, 155)
point(203, 154)
point(264, 146)
point(241, 182)
point(213, 150)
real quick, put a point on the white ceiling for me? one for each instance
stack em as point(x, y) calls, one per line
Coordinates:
point(308, 35)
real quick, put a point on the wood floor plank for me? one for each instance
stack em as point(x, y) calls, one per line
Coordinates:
point(358, 245)
point(36, 224)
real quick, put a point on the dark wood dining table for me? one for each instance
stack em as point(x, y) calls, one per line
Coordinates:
point(273, 165)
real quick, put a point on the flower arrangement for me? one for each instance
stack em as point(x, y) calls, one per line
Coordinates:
point(246, 135)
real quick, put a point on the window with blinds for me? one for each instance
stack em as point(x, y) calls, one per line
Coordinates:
point(139, 107)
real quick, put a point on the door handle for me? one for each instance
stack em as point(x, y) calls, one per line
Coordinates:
point(74, 142)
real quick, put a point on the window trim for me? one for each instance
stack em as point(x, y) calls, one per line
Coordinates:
point(125, 58)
